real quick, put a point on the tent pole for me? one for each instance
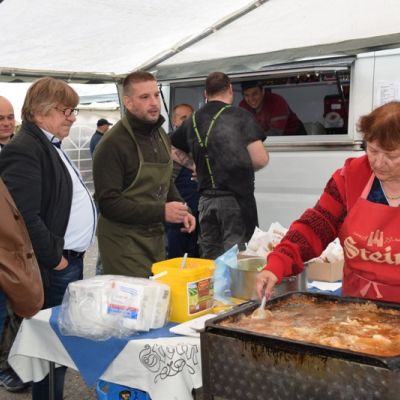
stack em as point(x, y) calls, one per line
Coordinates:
point(208, 31)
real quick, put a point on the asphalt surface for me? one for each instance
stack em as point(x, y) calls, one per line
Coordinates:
point(75, 388)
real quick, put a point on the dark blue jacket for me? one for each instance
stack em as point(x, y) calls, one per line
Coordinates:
point(94, 141)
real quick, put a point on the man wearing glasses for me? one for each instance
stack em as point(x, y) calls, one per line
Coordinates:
point(48, 190)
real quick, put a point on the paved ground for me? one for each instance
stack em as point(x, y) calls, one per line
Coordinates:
point(75, 388)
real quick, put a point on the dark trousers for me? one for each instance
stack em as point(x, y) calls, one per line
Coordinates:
point(179, 242)
point(221, 225)
point(40, 390)
point(3, 310)
point(10, 329)
point(55, 287)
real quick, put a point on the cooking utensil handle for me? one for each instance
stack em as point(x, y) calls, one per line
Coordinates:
point(263, 302)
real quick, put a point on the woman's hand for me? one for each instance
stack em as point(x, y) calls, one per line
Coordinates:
point(265, 283)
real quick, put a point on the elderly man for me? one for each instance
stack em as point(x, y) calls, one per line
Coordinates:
point(7, 126)
point(8, 378)
point(179, 242)
point(132, 172)
point(271, 110)
point(226, 144)
point(49, 192)
point(7, 121)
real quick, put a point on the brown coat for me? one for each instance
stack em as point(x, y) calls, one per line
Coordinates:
point(19, 271)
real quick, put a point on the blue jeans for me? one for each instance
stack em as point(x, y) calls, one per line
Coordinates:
point(56, 283)
point(3, 311)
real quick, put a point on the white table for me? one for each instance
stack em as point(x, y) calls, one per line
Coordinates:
point(166, 368)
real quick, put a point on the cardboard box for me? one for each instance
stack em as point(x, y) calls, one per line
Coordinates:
point(327, 272)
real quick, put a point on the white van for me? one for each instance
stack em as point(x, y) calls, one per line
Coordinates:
point(328, 95)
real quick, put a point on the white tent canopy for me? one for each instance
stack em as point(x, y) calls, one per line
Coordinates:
point(285, 30)
point(86, 37)
point(103, 39)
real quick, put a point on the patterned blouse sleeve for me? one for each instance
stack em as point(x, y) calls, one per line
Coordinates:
point(309, 235)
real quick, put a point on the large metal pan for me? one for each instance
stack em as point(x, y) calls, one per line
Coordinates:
point(247, 365)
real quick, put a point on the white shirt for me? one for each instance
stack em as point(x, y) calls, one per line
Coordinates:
point(82, 219)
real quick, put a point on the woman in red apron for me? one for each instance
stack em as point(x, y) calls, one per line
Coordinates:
point(360, 205)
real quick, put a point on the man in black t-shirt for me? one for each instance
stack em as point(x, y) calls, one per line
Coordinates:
point(226, 145)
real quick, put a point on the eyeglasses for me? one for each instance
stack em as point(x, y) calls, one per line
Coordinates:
point(68, 111)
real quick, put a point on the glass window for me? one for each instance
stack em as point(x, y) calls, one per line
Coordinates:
point(316, 94)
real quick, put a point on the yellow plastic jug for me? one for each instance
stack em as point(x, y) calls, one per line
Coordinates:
point(191, 283)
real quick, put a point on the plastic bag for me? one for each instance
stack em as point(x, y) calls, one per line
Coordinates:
point(112, 305)
point(261, 243)
point(332, 253)
point(222, 280)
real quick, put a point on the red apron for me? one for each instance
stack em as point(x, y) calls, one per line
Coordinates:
point(370, 237)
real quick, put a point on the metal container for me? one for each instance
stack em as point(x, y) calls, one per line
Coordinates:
point(238, 364)
point(243, 280)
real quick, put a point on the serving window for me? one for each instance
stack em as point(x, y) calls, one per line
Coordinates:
point(318, 92)
point(319, 99)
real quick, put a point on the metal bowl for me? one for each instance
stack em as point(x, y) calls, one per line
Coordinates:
point(243, 280)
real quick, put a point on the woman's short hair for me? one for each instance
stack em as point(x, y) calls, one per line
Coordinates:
point(45, 94)
point(382, 125)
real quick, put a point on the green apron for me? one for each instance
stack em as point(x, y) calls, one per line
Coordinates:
point(131, 250)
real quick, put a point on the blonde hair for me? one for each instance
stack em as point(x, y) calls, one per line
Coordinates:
point(45, 94)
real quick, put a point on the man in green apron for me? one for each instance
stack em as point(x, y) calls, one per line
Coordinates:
point(132, 172)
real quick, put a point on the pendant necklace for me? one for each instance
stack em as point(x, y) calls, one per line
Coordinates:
point(387, 196)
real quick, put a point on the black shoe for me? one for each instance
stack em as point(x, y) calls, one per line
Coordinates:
point(11, 381)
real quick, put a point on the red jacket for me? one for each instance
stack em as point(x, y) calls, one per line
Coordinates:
point(318, 226)
point(275, 114)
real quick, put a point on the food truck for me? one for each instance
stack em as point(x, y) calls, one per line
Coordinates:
point(328, 95)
